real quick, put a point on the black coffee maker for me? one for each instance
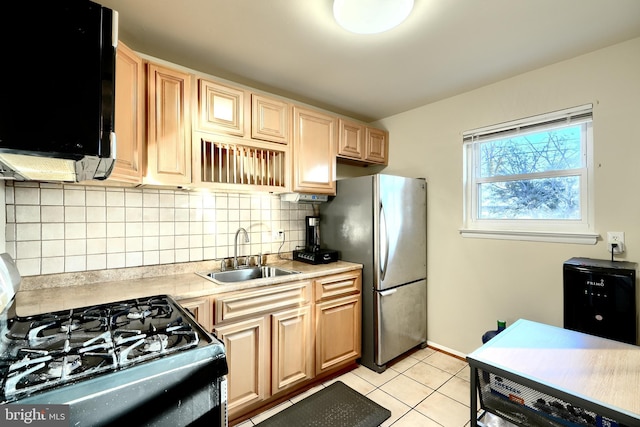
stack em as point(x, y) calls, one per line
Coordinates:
point(312, 254)
point(312, 233)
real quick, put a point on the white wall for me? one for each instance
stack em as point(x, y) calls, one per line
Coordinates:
point(474, 282)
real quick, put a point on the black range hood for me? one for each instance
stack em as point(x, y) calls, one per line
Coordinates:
point(57, 103)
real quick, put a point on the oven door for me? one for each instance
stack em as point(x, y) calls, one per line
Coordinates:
point(187, 388)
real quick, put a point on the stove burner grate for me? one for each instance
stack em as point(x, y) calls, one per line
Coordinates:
point(46, 351)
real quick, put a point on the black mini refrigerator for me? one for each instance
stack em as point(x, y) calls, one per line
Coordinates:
point(600, 298)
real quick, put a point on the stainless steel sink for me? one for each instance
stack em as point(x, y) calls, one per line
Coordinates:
point(242, 274)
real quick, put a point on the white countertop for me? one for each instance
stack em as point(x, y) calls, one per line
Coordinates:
point(180, 286)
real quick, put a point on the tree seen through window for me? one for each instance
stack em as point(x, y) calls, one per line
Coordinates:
point(531, 176)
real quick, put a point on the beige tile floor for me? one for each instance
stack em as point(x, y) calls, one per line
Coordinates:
point(426, 388)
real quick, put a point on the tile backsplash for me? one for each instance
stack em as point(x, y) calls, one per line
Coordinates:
point(62, 228)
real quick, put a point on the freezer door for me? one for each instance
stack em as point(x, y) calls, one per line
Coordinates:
point(400, 234)
point(402, 320)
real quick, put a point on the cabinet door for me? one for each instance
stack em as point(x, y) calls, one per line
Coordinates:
point(247, 349)
point(201, 310)
point(314, 151)
point(129, 116)
point(337, 332)
point(377, 146)
point(221, 108)
point(269, 119)
point(350, 140)
point(169, 134)
point(292, 350)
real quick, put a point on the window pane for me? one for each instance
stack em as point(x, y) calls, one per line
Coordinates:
point(550, 150)
point(548, 198)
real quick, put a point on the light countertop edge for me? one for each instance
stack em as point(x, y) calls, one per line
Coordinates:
point(179, 286)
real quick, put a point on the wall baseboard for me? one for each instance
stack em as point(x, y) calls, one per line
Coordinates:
point(447, 350)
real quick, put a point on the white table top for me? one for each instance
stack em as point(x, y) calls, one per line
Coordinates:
point(602, 371)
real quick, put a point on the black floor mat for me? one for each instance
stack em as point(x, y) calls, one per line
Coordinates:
point(337, 406)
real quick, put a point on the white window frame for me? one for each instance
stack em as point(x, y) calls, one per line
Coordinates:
point(566, 231)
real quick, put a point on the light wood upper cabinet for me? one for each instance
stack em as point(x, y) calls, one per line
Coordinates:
point(228, 110)
point(376, 146)
point(240, 141)
point(362, 144)
point(222, 108)
point(169, 126)
point(269, 119)
point(176, 128)
point(314, 151)
point(129, 116)
point(350, 139)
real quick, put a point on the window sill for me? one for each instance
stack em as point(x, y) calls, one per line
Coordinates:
point(533, 236)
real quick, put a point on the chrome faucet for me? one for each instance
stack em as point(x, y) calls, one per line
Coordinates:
point(235, 246)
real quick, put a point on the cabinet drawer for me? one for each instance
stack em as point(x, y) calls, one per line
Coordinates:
point(269, 299)
point(338, 285)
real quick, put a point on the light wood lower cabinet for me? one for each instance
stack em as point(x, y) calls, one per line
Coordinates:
point(247, 344)
point(338, 314)
point(291, 348)
point(337, 332)
point(268, 337)
point(279, 338)
point(201, 310)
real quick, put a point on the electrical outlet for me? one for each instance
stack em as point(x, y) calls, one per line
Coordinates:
point(617, 238)
point(278, 236)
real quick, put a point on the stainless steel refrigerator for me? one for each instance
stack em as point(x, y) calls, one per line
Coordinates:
point(380, 221)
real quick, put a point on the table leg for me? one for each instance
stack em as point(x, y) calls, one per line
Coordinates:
point(473, 403)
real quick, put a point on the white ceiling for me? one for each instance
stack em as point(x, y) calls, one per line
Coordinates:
point(295, 49)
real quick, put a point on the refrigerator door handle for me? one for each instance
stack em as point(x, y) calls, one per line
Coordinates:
point(388, 292)
point(384, 243)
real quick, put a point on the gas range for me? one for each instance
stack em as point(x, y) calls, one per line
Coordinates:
point(48, 350)
point(120, 351)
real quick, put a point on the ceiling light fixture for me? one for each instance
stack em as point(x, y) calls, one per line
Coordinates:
point(371, 16)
